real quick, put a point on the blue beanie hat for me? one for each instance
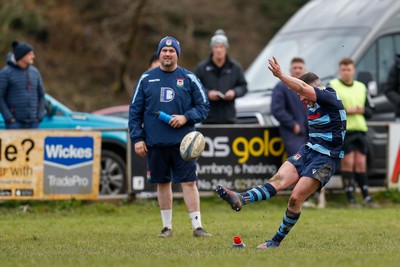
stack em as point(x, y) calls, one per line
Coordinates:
point(20, 49)
point(169, 41)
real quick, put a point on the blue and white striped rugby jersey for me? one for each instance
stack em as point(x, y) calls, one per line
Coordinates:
point(327, 123)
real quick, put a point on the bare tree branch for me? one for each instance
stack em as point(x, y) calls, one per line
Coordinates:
point(133, 33)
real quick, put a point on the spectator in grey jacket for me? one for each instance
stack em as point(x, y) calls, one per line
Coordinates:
point(22, 102)
point(223, 80)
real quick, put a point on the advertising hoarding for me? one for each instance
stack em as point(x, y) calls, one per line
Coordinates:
point(49, 165)
point(238, 157)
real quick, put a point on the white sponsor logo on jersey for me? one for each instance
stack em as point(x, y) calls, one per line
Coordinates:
point(166, 94)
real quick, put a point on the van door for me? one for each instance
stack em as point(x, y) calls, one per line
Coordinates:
point(377, 61)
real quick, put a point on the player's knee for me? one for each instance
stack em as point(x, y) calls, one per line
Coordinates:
point(190, 185)
point(295, 201)
point(347, 165)
point(360, 166)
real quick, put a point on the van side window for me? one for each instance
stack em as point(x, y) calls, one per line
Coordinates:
point(397, 43)
point(386, 58)
point(368, 63)
point(379, 58)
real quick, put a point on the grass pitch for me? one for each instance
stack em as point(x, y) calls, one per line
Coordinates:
point(71, 233)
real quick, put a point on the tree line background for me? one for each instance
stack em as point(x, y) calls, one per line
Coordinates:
point(91, 52)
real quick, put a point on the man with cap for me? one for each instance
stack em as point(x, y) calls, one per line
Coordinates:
point(22, 102)
point(223, 79)
point(176, 91)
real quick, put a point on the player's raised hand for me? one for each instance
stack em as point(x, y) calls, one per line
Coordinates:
point(274, 67)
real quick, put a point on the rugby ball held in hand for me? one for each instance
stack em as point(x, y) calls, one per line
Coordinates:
point(192, 145)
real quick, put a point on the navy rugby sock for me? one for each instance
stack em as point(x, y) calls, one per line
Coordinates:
point(362, 181)
point(259, 193)
point(289, 220)
point(348, 184)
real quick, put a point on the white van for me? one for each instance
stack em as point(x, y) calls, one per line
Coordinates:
point(322, 32)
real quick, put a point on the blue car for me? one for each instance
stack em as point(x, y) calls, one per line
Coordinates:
point(113, 144)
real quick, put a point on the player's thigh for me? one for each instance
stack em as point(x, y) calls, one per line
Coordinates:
point(286, 176)
point(347, 162)
point(304, 188)
point(182, 171)
point(158, 166)
point(360, 161)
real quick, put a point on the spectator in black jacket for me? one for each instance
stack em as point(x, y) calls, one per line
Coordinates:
point(22, 102)
point(223, 80)
point(392, 88)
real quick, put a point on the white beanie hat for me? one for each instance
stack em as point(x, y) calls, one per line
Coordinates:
point(219, 38)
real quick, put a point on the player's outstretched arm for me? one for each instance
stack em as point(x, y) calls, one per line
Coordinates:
point(293, 83)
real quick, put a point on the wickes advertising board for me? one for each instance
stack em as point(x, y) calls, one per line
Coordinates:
point(239, 157)
point(49, 164)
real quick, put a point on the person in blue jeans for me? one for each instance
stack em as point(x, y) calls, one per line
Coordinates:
point(313, 165)
point(22, 102)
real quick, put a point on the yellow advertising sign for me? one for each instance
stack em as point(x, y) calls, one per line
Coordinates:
point(49, 165)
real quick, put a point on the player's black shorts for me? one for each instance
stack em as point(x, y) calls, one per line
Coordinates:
point(165, 164)
point(355, 141)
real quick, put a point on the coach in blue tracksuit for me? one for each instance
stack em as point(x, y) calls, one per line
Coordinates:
point(178, 92)
point(22, 102)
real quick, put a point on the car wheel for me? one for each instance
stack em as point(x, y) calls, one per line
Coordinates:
point(112, 174)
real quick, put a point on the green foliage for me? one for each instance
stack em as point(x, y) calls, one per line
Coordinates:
point(175, 19)
point(101, 234)
point(19, 19)
point(281, 9)
point(392, 195)
point(81, 44)
point(21, 16)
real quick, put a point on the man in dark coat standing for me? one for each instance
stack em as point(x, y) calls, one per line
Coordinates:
point(223, 80)
point(22, 102)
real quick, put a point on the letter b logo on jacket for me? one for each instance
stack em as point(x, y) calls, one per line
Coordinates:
point(166, 94)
